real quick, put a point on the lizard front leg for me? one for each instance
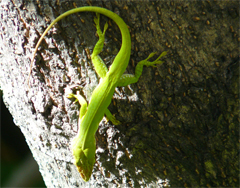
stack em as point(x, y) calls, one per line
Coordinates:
point(84, 158)
point(110, 117)
point(82, 102)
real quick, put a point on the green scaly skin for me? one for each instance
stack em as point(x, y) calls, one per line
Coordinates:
point(84, 144)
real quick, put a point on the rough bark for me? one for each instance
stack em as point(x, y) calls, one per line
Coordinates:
point(179, 122)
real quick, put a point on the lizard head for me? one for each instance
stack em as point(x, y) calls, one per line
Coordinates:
point(84, 160)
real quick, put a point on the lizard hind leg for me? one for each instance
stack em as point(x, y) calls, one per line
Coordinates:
point(97, 22)
point(98, 63)
point(156, 61)
point(99, 46)
point(127, 79)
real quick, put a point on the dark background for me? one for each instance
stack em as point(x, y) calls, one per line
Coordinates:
point(18, 168)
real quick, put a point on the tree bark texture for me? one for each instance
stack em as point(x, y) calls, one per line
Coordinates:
point(180, 122)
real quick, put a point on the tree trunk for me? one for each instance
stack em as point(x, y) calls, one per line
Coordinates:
point(179, 122)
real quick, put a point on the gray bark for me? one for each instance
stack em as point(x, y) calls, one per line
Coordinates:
point(179, 122)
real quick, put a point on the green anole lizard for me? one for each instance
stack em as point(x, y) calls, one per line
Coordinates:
point(90, 115)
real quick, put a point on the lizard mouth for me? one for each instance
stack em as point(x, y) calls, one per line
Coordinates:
point(85, 172)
